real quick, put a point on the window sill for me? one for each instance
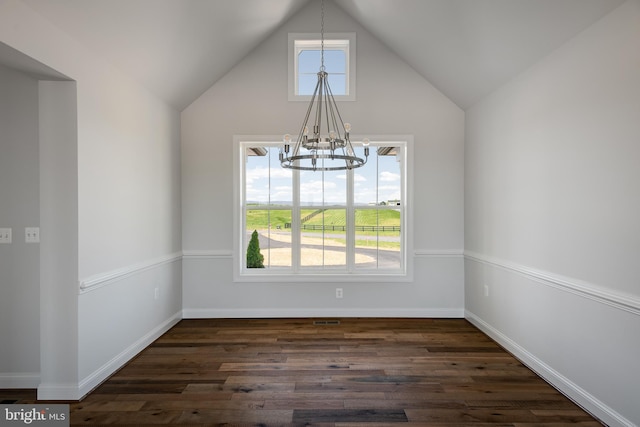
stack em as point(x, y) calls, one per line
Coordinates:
point(324, 277)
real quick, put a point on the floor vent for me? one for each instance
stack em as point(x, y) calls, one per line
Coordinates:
point(326, 322)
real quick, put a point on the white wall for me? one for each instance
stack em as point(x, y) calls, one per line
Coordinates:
point(392, 99)
point(551, 216)
point(58, 148)
point(127, 218)
point(19, 208)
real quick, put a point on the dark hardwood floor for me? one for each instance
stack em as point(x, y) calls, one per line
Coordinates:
point(419, 372)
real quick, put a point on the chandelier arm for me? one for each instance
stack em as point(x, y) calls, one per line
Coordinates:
point(345, 147)
point(305, 121)
point(321, 96)
point(329, 110)
point(337, 112)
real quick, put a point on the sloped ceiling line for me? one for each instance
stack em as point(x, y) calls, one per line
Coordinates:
point(466, 48)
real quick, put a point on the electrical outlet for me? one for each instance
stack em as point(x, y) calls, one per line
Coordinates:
point(5, 235)
point(486, 290)
point(338, 292)
point(156, 293)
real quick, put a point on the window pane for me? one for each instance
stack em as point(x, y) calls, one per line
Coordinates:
point(307, 84)
point(338, 84)
point(323, 188)
point(280, 186)
point(335, 61)
point(309, 62)
point(257, 220)
point(266, 183)
point(365, 181)
point(389, 180)
point(323, 238)
point(378, 239)
point(274, 235)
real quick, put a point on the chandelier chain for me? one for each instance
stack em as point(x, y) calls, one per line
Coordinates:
point(322, 36)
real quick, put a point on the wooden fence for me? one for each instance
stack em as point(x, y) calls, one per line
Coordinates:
point(343, 227)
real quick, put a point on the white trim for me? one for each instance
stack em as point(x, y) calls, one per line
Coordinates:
point(93, 380)
point(221, 254)
point(207, 254)
point(577, 394)
point(19, 379)
point(619, 300)
point(58, 392)
point(239, 313)
point(85, 386)
point(99, 280)
point(438, 253)
point(324, 278)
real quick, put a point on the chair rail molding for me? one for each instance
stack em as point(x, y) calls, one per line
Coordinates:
point(102, 279)
point(619, 300)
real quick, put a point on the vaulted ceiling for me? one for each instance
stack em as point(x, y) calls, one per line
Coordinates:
point(466, 48)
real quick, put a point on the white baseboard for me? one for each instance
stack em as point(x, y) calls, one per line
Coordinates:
point(57, 391)
point(221, 313)
point(86, 385)
point(19, 379)
point(97, 377)
point(574, 392)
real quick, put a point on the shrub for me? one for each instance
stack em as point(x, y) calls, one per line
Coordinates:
point(254, 258)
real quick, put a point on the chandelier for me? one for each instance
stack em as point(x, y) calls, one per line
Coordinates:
point(325, 146)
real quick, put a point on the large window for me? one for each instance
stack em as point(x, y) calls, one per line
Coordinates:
point(318, 223)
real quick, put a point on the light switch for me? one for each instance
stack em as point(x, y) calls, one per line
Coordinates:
point(5, 235)
point(32, 234)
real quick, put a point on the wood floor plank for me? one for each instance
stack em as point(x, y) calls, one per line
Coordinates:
point(349, 415)
point(360, 372)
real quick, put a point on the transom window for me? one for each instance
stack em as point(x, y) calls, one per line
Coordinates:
point(318, 223)
point(305, 60)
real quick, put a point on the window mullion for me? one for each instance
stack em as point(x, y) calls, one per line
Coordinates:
point(243, 201)
point(377, 211)
point(350, 224)
point(295, 223)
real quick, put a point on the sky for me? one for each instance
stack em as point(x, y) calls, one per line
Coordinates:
point(309, 65)
point(267, 181)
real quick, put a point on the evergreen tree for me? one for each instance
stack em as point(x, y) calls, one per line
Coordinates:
point(254, 258)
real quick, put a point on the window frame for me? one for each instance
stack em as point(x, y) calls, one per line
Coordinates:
point(350, 66)
point(242, 274)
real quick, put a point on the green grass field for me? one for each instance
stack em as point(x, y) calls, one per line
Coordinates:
point(260, 220)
